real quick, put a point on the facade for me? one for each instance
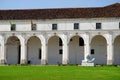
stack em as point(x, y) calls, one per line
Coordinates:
point(60, 36)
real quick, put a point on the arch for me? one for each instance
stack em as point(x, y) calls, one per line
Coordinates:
point(34, 50)
point(13, 50)
point(71, 36)
point(116, 54)
point(55, 50)
point(76, 50)
point(99, 49)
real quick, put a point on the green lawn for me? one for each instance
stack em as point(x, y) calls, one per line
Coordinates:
point(59, 73)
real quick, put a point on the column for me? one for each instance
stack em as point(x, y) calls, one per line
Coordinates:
point(44, 59)
point(65, 57)
point(85, 62)
point(3, 53)
point(86, 47)
point(109, 50)
point(23, 53)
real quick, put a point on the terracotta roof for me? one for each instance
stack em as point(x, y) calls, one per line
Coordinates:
point(61, 13)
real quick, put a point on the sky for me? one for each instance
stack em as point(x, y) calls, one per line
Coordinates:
point(40, 4)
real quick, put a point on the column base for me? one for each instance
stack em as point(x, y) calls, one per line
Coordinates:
point(65, 62)
point(85, 63)
point(43, 62)
point(23, 62)
point(2, 61)
point(109, 62)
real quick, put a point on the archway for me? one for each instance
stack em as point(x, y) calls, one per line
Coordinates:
point(76, 50)
point(55, 50)
point(99, 49)
point(13, 50)
point(117, 51)
point(34, 50)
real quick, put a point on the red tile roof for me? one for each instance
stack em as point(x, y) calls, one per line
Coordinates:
point(61, 13)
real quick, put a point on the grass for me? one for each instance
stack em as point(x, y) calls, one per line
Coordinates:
point(59, 73)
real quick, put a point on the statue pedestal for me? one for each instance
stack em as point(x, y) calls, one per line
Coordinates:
point(85, 63)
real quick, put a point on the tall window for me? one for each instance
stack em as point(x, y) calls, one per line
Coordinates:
point(98, 25)
point(92, 51)
point(76, 25)
point(39, 53)
point(60, 51)
point(119, 25)
point(81, 42)
point(60, 42)
point(54, 26)
point(33, 27)
point(13, 27)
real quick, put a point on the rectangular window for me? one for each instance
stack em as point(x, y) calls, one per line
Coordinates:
point(54, 26)
point(119, 25)
point(60, 42)
point(76, 25)
point(33, 27)
point(13, 27)
point(92, 51)
point(39, 53)
point(98, 25)
point(60, 51)
point(81, 42)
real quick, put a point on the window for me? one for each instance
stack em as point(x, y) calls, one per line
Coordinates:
point(60, 51)
point(33, 27)
point(54, 26)
point(92, 51)
point(13, 27)
point(39, 53)
point(119, 25)
point(76, 25)
point(60, 42)
point(98, 25)
point(81, 42)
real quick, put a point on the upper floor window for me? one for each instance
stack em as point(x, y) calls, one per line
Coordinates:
point(13, 27)
point(54, 26)
point(76, 25)
point(33, 27)
point(98, 25)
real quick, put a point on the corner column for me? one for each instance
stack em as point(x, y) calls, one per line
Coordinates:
point(3, 53)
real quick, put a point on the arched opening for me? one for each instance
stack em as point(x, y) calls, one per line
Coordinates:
point(55, 50)
point(117, 51)
point(13, 50)
point(99, 49)
point(34, 50)
point(76, 50)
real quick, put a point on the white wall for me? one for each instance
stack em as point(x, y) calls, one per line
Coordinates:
point(76, 52)
point(100, 50)
point(53, 51)
point(34, 45)
point(117, 51)
point(63, 24)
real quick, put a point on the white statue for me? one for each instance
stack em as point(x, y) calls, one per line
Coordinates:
point(90, 58)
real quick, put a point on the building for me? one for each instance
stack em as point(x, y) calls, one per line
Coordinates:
point(60, 36)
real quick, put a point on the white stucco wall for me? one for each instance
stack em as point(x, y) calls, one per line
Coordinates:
point(33, 47)
point(63, 24)
point(53, 51)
